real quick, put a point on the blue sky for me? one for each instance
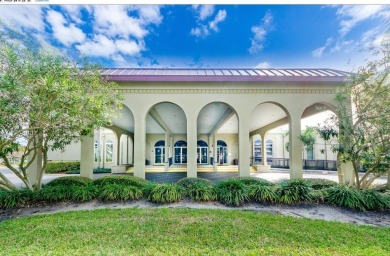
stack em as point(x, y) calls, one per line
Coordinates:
point(205, 36)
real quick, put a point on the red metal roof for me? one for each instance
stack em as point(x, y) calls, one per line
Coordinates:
point(224, 75)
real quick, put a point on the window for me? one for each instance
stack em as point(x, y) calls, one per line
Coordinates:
point(109, 151)
point(159, 152)
point(221, 152)
point(310, 153)
point(180, 148)
point(269, 148)
point(257, 151)
point(202, 152)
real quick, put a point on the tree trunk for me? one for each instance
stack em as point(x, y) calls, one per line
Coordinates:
point(388, 180)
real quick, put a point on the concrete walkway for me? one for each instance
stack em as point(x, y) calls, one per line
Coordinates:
point(275, 175)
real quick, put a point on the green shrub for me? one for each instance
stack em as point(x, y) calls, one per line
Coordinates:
point(148, 188)
point(263, 193)
point(200, 192)
point(248, 181)
point(85, 193)
point(56, 167)
point(69, 181)
point(165, 193)
point(14, 198)
point(345, 197)
point(123, 180)
point(320, 183)
point(374, 200)
point(232, 192)
point(293, 191)
point(189, 182)
point(95, 171)
point(319, 196)
point(119, 192)
point(54, 193)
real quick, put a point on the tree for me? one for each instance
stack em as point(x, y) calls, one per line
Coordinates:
point(47, 101)
point(308, 139)
point(364, 136)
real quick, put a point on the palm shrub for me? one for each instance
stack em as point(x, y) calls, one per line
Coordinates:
point(119, 192)
point(263, 193)
point(189, 182)
point(293, 191)
point(69, 181)
point(248, 181)
point(83, 194)
point(232, 192)
point(345, 197)
point(120, 179)
point(317, 183)
point(14, 198)
point(374, 200)
point(165, 193)
point(54, 193)
point(200, 192)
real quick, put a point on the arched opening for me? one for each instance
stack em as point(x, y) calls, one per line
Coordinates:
point(202, 152)
point(317, 153)
point(166, 123)
point(180, 149)
point(269, 123)
point(218, 122)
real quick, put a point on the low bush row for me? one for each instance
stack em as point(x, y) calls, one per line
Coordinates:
point(63, 166)
point(231, 192)
point(95, 171)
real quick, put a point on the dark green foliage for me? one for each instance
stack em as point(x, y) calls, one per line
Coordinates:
point(124, 180)
point(248, 181)
point(69, 181)
point(165, 193)
point(83, 194)
point(14, 198)
point(263, 193)
point(318, 196)
point(56, 167)
point(54, 194)
point(119, 192)
point(200, 192)
point(293, 191)
point(320, 183)
point(148, 188)
point(232, 192)
point(374, 200)
point(98, 170)
point(345, 197)
point(189, 182)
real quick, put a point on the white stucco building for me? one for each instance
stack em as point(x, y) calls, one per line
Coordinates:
point(194, 120)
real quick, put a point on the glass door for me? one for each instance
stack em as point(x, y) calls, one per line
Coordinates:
point(159, 155)
point(221, 155)
point(202, 155)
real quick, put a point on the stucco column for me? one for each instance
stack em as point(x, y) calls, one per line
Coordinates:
point(251, 151)
point(86, 157)
point(263, 148)
point(192, 138)
point(139, 144)
point(118, 151)
point(295, 153)
point(166, 151)
point(215, 142)
point(243, 147)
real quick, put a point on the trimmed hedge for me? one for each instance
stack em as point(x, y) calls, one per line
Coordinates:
point(95, 171)
point(56, 167)
point(248, 181)
point(120, 179)
point(190, 182)
point(70, 181)
point(320, 183)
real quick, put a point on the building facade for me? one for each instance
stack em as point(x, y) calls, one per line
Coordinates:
point(196, 120)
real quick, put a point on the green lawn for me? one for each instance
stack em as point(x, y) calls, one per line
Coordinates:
point(186, 232)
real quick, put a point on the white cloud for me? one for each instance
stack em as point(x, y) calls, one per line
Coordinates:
point(74, 12)
point(260, 33)
point(149, 14)
point(23, 16)
point(99, 46)
point(317, 53)
point(204, 12)
point(128, 47)
point(221, 16)
point(64, 33)
point(264, 64)
point(351, 15)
